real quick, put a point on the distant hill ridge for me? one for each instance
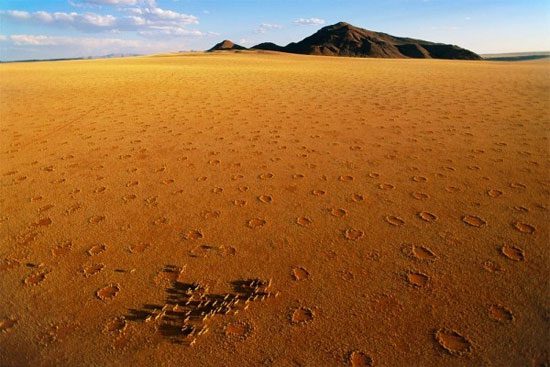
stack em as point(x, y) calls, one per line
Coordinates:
point(226, 45)
point(343, 39)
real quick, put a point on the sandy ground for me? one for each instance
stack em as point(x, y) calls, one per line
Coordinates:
point(278, 210)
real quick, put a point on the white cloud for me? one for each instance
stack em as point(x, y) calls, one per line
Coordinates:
point(85, 42)
point(43, 16)
point(161, 15)
point(116, 3)
point(85, 21)
point(171, 31)
point(92, 19)
point(17, 14)
point(148, 18)
point(152, 29)
point(29, 46)
point(264, 27)
point(309, 21)
point(111, 2)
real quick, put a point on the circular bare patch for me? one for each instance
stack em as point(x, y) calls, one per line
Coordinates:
point(108, 292)
point(524, 227)
point(500, 313)
point(304, 221)
point(419, 179)
point(35, 278)
point(97, 249)
point(43, 222)
point(394, 220)
point(360, 359)
point(300, 273)
point(422, 253)
point(268, 199)
point(474, 221)
point(240, 203)
point(513, 253)
point(517, 185)
point(7, 264)
point(492, 266)
point(427, 216)
point(91, 269)
point(194, 234)
point(256, 223)
point(453, 342)
point(7, 324)
point(452, 189)
point(345, 178)
point(353, 234)
point(386, 186)
point(301, 316)
point(357, 197)
point(116, 325)
point(95, 219)
point(339, 213)
point(417, 279)
point(138, 248)
point(240, 330)
point(494, 193)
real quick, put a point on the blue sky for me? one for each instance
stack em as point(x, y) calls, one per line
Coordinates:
point(32, 29)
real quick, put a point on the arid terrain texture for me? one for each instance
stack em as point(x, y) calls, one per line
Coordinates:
point(248, 209)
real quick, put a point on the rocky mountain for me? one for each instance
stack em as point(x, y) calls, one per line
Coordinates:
point(343, 39)
point(269, 46)
point(226, 45)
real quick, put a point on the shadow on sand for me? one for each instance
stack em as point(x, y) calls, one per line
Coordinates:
point(188, 306)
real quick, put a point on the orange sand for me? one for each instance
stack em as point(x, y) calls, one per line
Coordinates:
point(400, 208)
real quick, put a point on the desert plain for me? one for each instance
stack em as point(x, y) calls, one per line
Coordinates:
point(264, 209)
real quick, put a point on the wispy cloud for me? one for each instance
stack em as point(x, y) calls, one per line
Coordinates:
point(110, 2)
point(87, 42)
point(156, 31)
point(17, 14)
point(32, 46)
point(309, 21)
point(161, 15)
point(119, 3)
point(264, 27)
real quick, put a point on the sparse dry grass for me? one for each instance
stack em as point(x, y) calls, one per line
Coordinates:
point(400, 208)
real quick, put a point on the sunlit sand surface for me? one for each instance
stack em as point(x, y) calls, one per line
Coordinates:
point(269, 209)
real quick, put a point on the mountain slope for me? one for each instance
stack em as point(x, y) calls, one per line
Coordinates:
point(226, 45)
point(343, 39)
point(269, 46)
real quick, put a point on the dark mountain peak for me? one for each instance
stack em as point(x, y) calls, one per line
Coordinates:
point(343, 28)
point(268, 46)
point(344, 39)
point(340, 25)
point(226, 45)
